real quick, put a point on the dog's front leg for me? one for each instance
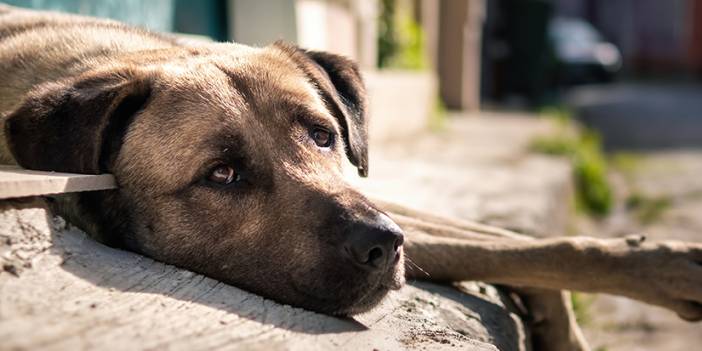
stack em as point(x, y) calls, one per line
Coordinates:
point(667, 274)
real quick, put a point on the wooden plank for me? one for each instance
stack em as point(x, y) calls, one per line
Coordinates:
point(19, 182)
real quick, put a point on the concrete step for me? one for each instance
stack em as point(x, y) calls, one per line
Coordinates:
point(479, 168)
point(62, 290)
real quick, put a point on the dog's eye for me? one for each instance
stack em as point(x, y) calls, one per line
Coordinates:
point(224, 175)
point(322, 137)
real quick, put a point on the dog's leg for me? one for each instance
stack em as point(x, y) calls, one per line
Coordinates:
point(662, 273)
point(443, 226)
point(667, 273)
point(551, 317)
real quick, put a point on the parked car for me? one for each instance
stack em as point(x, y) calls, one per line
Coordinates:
point(581, 53)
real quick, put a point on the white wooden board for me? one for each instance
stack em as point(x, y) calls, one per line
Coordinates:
point(18, 182)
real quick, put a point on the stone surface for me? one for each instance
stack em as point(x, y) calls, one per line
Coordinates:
point(74, 293)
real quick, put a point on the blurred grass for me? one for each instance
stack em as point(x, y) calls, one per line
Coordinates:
point(645, 207)
point(584, 149)
point(581, 305)
point(626, 162)
point(648, 209)
point(438, 116)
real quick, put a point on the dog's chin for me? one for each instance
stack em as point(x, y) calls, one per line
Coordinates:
point(370, 296)
point(369, 301)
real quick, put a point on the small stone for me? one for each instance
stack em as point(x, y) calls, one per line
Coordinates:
point(59, 223)
point(12, 269)
point(635, 240)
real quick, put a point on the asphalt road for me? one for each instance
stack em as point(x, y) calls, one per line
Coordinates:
point(641, 116)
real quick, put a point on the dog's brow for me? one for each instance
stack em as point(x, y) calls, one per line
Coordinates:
point(290, 101)
point(313, 117)
point(235, 80)
point(225, 142)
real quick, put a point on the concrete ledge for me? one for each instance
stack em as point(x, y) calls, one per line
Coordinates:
point(400, 103)
point(61, 290)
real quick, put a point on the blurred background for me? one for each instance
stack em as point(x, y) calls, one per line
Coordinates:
point(555, 117)
point(644, 56)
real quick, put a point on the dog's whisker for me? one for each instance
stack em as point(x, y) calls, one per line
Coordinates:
point(409, 260)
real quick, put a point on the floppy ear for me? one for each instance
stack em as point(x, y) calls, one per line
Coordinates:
point(76, 125)
point(339, 82)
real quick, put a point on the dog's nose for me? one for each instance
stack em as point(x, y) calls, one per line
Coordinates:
point(374, 245)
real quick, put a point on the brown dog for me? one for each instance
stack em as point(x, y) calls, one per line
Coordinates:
point(229, 162)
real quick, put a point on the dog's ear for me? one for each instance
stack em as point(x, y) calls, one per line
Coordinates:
point(77, 125)
point(339, 82)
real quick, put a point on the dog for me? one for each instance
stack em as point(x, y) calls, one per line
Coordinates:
point(229, 163)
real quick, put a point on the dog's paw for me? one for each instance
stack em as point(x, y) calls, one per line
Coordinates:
point(667, 273)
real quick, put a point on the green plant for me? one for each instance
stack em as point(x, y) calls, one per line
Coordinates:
point(561, 115)
point(387, 44)
point(581, 304)
point(583, 148)
point(626, 162)
point(591, 175)
point(401, 39)
point(437, 117)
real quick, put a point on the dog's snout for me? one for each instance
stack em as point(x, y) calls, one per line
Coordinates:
point(374, 245)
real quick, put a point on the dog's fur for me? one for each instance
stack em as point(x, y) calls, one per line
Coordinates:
point(94, 96)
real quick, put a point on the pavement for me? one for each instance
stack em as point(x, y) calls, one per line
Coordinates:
point(642, 116)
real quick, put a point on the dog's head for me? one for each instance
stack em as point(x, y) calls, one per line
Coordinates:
point(228, 161)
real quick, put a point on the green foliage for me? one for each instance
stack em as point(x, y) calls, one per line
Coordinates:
point(591, 175)
point(594, 193)
point(559, 114)
point(437, 118)
point(401, 39)
point(387, 44)
point(581, 304)
point(626, 163)
point(648, 209)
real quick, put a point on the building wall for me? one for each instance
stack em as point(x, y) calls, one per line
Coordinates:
point(153, 14)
